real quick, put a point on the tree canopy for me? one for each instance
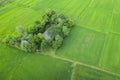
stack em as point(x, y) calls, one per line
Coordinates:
point(48, 33)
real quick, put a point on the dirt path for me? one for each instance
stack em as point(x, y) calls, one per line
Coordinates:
point(82, 64)
point(86, 65)
point(73, 70)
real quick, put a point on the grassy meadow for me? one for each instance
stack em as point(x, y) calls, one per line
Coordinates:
point(93, 41)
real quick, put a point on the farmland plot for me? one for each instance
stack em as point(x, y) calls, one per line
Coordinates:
point(94, 41)
point(110, 58)
point(18, 65)
point(83, 45)
point(84, 73)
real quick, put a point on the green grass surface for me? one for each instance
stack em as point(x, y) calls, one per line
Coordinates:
point(85, 46)
point(109, 60)
point(95, 40)
point(85, 73)
point(9, 58)
point(17, 65)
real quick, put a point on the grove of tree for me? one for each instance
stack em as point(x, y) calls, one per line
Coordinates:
point(48, 33)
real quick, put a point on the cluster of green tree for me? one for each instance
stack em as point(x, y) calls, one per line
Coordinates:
point(49, 33)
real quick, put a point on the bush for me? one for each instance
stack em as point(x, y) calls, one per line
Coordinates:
point(57, 42)
point(12, 40)
point(53, 31)
point(26, 46)
point(37, 40)
point(69, 23)
point(65, 30)
point(44, 45)
point(34, 29)
point(20, 30)
point(8, 40)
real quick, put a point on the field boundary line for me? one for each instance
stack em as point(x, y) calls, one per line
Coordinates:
point(7, 21)
point(115, 33)
point(107, 38)
point(91, 3)
point(86, 65)
point(80, 63)
point(87, 6)
point(98, 31)
point(67, 4)
point(73, 70)
point(103, 49)
point(16, 66)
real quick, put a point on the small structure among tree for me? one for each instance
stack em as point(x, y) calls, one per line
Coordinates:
point(49, 33)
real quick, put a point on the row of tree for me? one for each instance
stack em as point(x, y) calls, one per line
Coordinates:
point(49, 33)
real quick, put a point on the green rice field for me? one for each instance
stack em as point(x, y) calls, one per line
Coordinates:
point(90, 52)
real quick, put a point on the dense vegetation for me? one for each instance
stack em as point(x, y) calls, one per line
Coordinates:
point(45, 34)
